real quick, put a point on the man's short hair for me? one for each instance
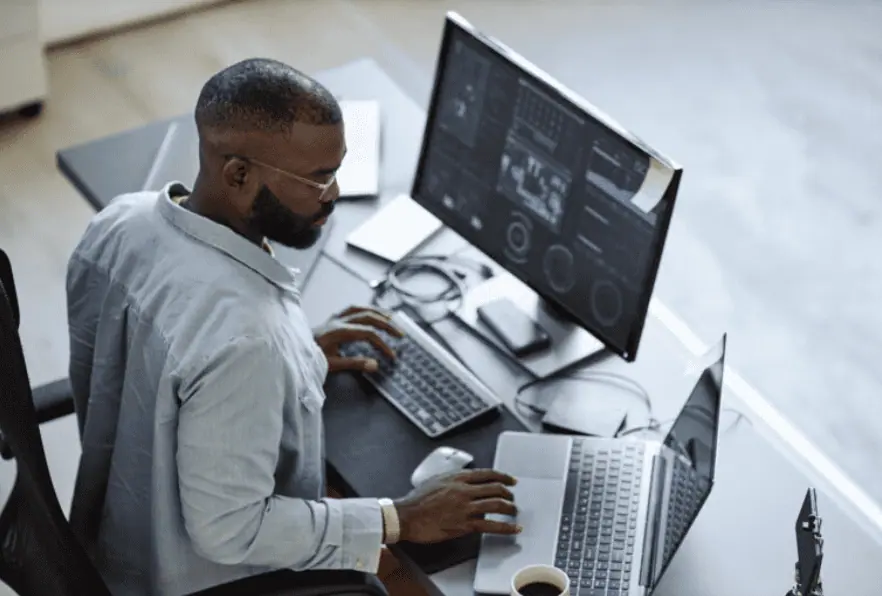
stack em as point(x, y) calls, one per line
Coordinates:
point(263, 95)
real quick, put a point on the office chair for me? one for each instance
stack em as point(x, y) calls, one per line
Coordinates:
point(51, 400)
point(39, 553)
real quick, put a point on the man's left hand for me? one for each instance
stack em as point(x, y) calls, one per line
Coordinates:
point(356, 324)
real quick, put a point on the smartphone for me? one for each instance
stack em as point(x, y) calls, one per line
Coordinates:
point(519, 333)
point(809, 544)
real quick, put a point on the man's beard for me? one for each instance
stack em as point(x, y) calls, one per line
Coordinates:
point(279, 224)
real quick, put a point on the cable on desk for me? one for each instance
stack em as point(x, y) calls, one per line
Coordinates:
point(587, 376)
point(657, 426)
point(654, 425)
point(452, 269)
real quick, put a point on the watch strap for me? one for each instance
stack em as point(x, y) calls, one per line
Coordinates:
point(391, 523)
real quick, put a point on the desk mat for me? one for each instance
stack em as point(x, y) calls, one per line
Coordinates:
point(372, 449)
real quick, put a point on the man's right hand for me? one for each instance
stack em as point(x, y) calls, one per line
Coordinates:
point(454, 505)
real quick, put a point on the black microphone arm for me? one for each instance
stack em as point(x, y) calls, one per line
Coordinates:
point(809, 549)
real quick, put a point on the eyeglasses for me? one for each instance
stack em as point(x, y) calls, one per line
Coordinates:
point(322, 187)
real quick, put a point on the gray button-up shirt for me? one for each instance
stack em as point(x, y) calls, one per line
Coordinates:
point(198, 389)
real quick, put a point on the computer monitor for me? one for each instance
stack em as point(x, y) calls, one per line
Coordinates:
point(546, 185)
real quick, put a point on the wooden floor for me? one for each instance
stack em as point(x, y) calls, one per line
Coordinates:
point(774, 111)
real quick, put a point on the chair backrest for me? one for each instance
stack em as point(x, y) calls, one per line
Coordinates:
point(39, 554)
point(7, 287)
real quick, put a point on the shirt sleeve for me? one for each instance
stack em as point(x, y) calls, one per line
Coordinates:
point(229, 433)
point(83, 302)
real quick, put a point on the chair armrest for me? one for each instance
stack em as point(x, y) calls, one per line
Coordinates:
point(302, 583)
point(53, 400)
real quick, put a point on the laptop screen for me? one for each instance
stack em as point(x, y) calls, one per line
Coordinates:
point(693, 437)
point(694, 432)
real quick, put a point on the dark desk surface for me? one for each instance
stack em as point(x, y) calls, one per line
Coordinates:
point(742, 543)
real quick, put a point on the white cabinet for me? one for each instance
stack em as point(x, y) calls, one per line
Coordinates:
point(63, 21)
point(23, 78)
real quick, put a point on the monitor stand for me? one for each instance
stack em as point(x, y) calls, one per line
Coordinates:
point(569, 342)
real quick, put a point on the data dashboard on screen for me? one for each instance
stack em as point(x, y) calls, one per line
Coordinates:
point(554, 193)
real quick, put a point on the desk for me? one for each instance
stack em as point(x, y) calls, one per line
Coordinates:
point(742, 543)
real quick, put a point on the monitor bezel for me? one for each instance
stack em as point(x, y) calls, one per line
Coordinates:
point(455, 23)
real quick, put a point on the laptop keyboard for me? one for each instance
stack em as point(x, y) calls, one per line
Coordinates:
point(687, 488)
point(599, 520)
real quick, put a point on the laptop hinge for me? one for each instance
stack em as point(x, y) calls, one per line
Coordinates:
point(650, 537)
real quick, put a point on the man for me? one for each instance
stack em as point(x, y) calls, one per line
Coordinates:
point(198, 382)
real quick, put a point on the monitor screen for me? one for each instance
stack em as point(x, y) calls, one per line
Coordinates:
point(546, 185)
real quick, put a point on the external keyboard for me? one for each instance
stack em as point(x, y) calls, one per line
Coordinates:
point(425, 382)
point(599, 520)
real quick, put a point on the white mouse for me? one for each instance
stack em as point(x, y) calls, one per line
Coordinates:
point(442, 460)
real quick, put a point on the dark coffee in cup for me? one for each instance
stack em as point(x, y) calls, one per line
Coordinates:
point(539, 589)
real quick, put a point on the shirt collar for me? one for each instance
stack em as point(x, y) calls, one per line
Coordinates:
point(224, 239)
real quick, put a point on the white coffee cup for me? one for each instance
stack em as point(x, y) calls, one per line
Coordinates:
point(545, 574)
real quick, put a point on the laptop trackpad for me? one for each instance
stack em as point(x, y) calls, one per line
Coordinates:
point(539, 503)
point(516, 455)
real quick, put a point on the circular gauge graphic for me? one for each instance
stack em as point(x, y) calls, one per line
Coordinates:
point(517, 237)
point(559, 268)
point(606, 303)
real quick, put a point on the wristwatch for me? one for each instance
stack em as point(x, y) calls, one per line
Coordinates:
point(391, 523)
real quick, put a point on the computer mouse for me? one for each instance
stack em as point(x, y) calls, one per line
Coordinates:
point(442, 460)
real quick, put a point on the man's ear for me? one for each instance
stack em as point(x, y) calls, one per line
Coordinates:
point(235, 173)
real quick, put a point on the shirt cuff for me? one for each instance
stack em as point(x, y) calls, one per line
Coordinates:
point(361, 530)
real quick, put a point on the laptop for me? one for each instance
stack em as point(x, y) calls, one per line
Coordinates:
point(611, 513)
point(359, 176)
